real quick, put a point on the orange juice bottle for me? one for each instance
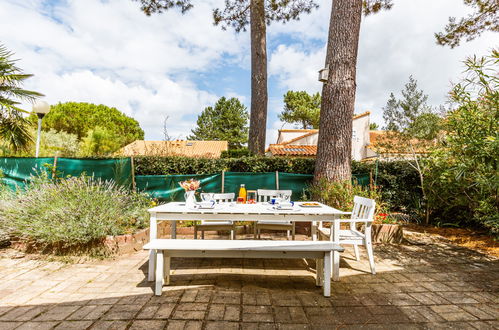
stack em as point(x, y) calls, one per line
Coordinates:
point(242, 193)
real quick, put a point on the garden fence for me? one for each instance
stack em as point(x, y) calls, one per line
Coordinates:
point(17, 172)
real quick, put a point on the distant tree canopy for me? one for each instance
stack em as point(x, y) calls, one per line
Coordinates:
point(485, 18)
point(81, 118)
point(301, 108)
point(410, 115)
point(226, 121)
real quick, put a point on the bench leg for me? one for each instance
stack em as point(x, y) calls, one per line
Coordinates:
point(195, 232)
point(159, 273)
point(293, 232)
point(152, 261)
point(327, 274)
point(166, 269)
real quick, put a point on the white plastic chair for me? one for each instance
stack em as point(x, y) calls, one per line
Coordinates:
point(265, 195)
point(215, 225)
point(362, 213)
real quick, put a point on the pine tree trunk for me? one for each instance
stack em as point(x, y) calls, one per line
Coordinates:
point(258, 117)
point(334, 149)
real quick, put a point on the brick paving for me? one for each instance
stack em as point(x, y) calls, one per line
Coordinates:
point(434, 285)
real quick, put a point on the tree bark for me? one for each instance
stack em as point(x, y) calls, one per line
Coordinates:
point(334, 148)
point(258, 117)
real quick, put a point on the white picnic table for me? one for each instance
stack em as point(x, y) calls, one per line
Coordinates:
point(177, 211)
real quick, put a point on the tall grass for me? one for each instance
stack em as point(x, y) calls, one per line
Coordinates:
point(73, 212)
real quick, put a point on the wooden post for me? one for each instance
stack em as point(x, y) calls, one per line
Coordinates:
point(277, 180)
point(223, 181)
point(132, 164)
point(54, 168)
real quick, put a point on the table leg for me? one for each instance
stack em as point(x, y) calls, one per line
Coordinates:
point(327, 274)
point(158, 288)
point(153, 234)
point(335, 236)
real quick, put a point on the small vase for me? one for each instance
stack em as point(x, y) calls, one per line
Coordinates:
point(190, 199)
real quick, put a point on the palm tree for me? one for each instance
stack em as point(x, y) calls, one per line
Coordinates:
point(14, 128)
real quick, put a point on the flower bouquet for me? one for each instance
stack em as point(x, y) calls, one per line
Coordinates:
point(190, 186)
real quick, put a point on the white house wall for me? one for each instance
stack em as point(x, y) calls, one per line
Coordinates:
point(360, 137)
point(288, 136)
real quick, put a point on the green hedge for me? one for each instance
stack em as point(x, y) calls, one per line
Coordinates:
point(235, 153)
point(399, 182)
point(183, 165)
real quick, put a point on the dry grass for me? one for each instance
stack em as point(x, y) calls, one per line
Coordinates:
point(469, 238)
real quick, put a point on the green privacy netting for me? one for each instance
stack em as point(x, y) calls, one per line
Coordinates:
point(117, 169)
point(17, 171)
point(361, 179)
point(167, 188)
point(295, 182)
point(252, 181)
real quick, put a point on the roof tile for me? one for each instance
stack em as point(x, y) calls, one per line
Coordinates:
point(195, 149)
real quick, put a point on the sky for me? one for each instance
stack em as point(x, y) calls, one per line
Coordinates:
point(173, 65)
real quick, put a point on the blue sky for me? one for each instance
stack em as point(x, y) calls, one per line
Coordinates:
point(174, 65)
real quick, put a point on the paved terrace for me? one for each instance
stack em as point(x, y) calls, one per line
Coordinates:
point(429, 286)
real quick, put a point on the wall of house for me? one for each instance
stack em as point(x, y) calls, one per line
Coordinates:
point(285, 136)
point(360, 137)
point(310, 140)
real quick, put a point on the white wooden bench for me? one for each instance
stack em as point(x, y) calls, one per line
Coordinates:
point(188, 248)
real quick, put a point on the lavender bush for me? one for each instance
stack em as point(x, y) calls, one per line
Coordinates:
point(73, 212)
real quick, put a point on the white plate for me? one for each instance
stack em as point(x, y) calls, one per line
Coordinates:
point(301, 205)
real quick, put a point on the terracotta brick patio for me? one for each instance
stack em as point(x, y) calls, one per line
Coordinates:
point(427, 286)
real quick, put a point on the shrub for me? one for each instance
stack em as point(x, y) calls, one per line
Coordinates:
point(340, 194)
point(398, 183)
point(73, 212)
point(463, 180)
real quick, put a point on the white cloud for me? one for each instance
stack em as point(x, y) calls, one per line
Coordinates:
point(297, 67)
point(393, 45)
point(110, 52)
